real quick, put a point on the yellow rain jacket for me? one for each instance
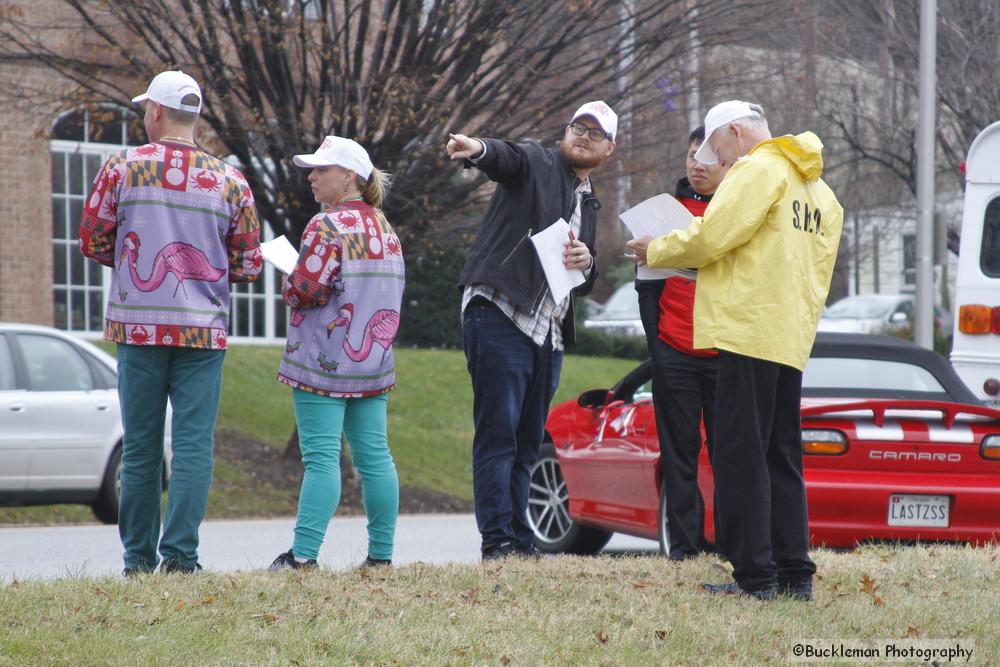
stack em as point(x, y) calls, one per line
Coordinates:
point(764, 251)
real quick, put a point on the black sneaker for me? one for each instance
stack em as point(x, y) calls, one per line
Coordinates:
point(375, 562)
point(286, 561)
point(138, 570)
point(172, 566)
point(498, 550)
point(529, 552)
point(797, 590)
point(768, 592)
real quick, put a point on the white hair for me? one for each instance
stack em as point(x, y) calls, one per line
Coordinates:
point(757, 121)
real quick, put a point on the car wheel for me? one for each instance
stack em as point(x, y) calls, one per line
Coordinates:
point(105, 507)
point(663, 525)
point(548, 511)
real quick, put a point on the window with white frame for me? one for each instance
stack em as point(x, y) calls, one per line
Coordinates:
point(82, 141)
point(909, 259)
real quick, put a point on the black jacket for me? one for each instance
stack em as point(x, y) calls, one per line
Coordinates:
point(535, 187)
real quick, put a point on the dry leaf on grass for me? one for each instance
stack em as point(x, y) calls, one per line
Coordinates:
point(661, 634)
point(601, 635)
point(267, 617)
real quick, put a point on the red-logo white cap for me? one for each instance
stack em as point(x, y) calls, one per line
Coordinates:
point(719, 116)
point(340, 152)
point(602, 113)
point(170, 88)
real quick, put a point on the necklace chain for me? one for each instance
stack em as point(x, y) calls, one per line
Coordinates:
point(180, 140)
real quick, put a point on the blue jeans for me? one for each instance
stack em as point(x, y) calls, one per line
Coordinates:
point(321, 420)
point(513, 381)
point(192, 379)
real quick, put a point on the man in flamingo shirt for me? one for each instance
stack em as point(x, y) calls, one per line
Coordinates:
point(177, 226)
point(683, 377)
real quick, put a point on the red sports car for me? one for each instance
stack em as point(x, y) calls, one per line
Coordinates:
point(896, 448)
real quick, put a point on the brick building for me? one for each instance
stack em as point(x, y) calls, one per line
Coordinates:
point(48, 160)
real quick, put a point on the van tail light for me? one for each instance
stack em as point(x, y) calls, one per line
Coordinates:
point(978, 319)
point(822, 442)
point(991, 387)
point(990, 449)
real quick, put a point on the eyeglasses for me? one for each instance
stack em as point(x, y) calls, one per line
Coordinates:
point(594, 133)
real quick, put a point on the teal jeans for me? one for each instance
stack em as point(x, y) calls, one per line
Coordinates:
point(192, 380)
point(321, 420)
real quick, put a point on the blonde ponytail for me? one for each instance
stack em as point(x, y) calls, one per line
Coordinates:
point(374, 191)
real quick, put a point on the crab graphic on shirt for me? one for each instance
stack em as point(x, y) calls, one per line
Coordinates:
point(206, 181)
point(327, 365)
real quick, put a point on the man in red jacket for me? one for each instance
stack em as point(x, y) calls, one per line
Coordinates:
point(683, 377)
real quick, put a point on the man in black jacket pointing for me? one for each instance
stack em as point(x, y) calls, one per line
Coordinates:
point(513, 329)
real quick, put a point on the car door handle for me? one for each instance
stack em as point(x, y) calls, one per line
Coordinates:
point(101, 407)
point(17, 407)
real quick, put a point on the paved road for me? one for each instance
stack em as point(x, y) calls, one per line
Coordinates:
point(94, 550)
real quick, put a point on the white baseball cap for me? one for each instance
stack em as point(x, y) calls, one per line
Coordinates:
point(719, 116)
point(602, 113)
point(340, 152)
point(169, 88)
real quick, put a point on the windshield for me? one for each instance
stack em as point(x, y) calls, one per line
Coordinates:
point(623, 304)
point(868, 307)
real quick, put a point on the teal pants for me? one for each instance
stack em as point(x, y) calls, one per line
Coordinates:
point(321, 420)
point(192, 380)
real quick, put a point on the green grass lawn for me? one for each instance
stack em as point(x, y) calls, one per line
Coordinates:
point(430, 411)
point(567, 610)
point(430, 426)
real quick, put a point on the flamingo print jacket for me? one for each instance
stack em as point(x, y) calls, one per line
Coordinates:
point(345, 293)
point(177, 226)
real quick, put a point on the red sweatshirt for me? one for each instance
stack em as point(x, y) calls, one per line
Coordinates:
point(676, 327)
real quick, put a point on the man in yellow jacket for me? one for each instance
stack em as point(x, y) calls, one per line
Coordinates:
point(765, 250)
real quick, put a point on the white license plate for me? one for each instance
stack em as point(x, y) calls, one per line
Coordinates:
point(912, 510)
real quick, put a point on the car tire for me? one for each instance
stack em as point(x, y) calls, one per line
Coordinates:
point(105, 507)
point(662, 523)
point(548, 511)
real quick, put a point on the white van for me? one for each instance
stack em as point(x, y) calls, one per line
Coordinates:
point(975, 351)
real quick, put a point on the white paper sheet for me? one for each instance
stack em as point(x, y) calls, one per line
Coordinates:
point(549, 244)
point(280, 253)
point(657, 216)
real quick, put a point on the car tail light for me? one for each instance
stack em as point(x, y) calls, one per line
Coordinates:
point(979, 319)
point(991, 387)
point(824, 443)
point(990, 449)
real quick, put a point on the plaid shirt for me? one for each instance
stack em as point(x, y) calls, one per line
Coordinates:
point(549, 315)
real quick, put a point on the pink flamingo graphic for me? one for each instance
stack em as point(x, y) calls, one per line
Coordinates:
point(381, 328)
point(182, 260)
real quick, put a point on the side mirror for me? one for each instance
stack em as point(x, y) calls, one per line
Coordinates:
point(898, 318)
point(594, 398)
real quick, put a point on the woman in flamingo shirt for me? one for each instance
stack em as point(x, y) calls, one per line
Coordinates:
point(345, 293)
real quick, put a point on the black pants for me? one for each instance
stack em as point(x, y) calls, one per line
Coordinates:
point(758, 472)
point(683, 394)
